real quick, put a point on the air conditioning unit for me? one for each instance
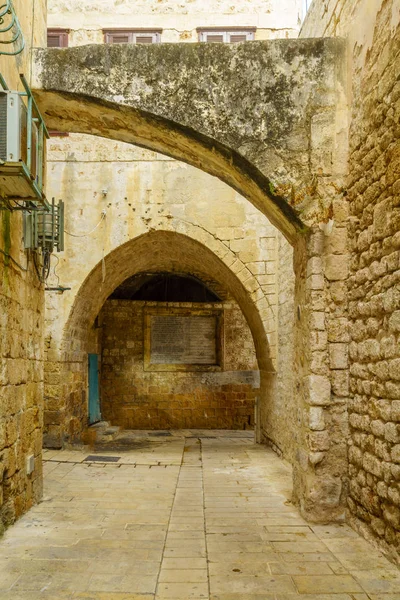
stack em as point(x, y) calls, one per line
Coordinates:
point(45, 228)
point(22, 133)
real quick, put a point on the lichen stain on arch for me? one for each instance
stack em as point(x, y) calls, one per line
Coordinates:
point(66, 112)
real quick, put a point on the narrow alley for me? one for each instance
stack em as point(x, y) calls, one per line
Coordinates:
point(181, 515)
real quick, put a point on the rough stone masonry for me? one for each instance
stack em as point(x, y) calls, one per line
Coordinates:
point(276, 131)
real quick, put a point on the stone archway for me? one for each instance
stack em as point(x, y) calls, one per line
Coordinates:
point(155, 251)
point(274, 132)
point(266, 117)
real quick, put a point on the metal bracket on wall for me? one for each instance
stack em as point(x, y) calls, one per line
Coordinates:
point(9, 24)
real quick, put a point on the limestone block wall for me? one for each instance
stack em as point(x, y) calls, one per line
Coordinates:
point(286, 406)
point(21, 324)
point(134, 398)
point(140, 192)
point(178, 20)
point(372, 30)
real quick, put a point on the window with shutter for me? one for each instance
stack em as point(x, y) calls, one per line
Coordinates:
point(119, 39)
point(230, 36)
point(144, 39)
point(215, 39)
point(235, 38)
point(132, 36)
point(57, 38)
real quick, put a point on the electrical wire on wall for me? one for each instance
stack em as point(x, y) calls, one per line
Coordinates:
point(81, 235)
point(42, 270)
point(9, 257)
point(54, 269)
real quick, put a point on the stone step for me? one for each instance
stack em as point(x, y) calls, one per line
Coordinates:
point(100, 425)
point(110, 433)
point(104, 432)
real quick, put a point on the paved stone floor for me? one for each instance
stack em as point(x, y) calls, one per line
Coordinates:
point(183, 517)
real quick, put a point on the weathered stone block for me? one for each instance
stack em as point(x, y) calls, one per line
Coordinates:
point(318, 441)
point(340, 382)
point(338, 356)
point(316, 244)
point(394, 321)
point(326, 492)
point(340, 210)
point(336, 267)
point(395, 410)
point(355, 455)
point(316, 282)
point(318, 390)
point(392, 390)
point(382, 212)
point(337, 241)
point(392, 432)
point(316, 420)
point(316, 458)
point(317, 320)
point(372, 464)
point(392, 515)
point(338, 290)
point(319, 340)
point(378, 428)
point(395, 453)
point(338, 330)
point(318, 363)
point(314, 266)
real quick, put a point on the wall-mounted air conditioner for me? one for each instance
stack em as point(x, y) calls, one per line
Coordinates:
point(22, 134)
point(45, 228)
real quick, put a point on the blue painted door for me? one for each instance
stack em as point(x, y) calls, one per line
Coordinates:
point(94, 395)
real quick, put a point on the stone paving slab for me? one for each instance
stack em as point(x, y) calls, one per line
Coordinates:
point(187, 517)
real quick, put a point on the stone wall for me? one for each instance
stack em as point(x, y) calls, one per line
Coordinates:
point(134, 398)
point(295, 139)
point(373, 34)
point(21, 324)
point(140, 191)
point(178, 20)
point(284, 410)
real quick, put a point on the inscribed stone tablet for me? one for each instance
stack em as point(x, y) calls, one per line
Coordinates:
point(183, 339)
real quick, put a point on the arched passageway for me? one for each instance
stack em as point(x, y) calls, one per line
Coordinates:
point(265, 117)
point(281, 145)
point(155, 252)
